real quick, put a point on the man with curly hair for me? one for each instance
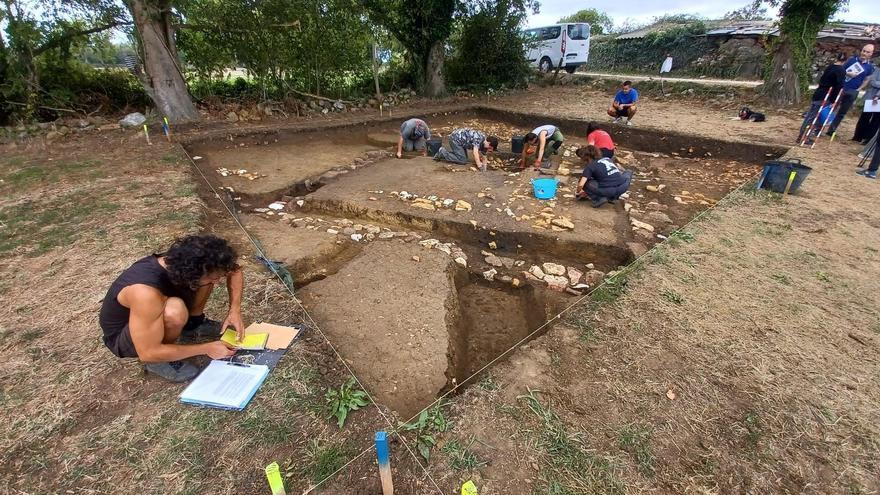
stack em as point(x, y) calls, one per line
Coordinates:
point(154, 311)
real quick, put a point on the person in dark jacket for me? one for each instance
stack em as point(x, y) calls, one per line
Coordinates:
point(602, 180)
point(832, 79)
point(869, 122)
point(162, 297)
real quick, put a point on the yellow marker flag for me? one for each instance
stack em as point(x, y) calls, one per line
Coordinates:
point(469, 488)
point(275, 481)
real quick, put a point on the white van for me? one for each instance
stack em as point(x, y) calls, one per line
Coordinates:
point(546, 46)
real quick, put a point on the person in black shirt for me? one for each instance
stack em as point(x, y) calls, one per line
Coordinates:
point(162, 297)
point(832, 79)
point(602, 180)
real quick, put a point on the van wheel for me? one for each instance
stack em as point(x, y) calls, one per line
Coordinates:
point(546, 65)
point(570, 70)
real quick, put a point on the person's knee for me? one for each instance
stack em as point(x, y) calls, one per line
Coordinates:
point(612, 112)
point(176, 314)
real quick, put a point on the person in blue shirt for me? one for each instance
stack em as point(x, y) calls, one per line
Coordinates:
point(624, 104)
point(858, 72)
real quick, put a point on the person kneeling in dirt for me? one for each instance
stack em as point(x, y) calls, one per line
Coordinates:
point(602, 180)
point(624, 104)
point(600, 139)
point(414, 134)
point(162, 297)
point(548, 138)
point(464, 139)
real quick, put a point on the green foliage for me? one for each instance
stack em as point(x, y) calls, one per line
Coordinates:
point(488, 48)
point(636, 440)
point(338, 403)
point(600, 22)
point(800, 21)
point(682, 40)
point(430, 422)
point(323, 48)
point(461, 457)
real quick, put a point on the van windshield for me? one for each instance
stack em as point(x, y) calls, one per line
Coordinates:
point(578, 32)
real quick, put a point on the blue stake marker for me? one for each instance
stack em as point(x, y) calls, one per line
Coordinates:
point(384, 463)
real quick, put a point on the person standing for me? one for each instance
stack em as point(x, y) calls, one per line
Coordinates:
point(832, 79)
point(869, 122)
point(414, 135)
point(624, 104)
point(548, 138)
point(600, 139)
point(858, 70)
point(463, 140)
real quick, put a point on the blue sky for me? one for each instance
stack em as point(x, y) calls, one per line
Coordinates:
point(645, 10)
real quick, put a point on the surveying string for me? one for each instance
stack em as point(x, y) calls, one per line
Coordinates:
point(314, 324)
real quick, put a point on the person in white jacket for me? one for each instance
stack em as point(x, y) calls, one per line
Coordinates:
point(869, 122)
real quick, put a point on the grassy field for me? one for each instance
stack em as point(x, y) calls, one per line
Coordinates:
point(739, 356)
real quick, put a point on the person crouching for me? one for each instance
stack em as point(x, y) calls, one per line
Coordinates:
point(602, 179)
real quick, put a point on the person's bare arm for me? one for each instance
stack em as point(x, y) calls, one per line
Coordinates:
point(235, 288)
point(522, 159)
point(581, 184)
point(147, 327)
point(400, 146)
point(477, 159)
point(542, 142)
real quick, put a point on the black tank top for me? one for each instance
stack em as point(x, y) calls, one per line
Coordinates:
point(146, 271)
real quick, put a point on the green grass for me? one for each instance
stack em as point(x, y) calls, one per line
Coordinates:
point(47, 171)
point(754, 431)
point(37, 228)
point(636, 440)
point(32, 334)
point(488, 383)
point(672, 296)
point(824, 277)
point(263, 427)
point(461, 457)
point(321, 462)
point(781, 278)
point(570, 466)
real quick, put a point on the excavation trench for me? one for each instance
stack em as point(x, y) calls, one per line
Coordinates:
point(380, 276)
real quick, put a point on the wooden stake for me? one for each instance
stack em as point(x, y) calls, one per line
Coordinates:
point(384, 463)
point(147, 134)
point(791, 177)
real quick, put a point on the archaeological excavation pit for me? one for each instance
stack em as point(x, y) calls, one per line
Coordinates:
point(421, 273)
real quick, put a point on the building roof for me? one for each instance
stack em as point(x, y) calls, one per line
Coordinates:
point(836, 30)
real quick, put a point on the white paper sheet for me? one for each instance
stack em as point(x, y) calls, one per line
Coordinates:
point(225, 385)
point(872, 106)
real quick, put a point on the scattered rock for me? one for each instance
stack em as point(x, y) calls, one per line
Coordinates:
point(52, 135)
point(232, 117)
point(563, 223)
point(348, 231)
point(300, 203)
point(515, 282)
point(658, 217)
point(494, 261)
point(134, 119)
point(357, 237)
point(536, 272)
point(593, 278)
point(493, 246)
point(574, 275)
point(641, 225)
point(416, 259)
point(637, 248)
point(590, 266)
point(556, 283)
point(372, 229)
point(553, 269)
point(506, 262)
point(332, 231)
point(462, 205)
point(461, 261)
point(386, 235)
point(490, 274)
point(429, 243)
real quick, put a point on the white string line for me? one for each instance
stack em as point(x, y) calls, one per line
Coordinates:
point(579, 301)
point(314, 323)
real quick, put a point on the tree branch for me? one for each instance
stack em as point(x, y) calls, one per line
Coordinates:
point(59, 40)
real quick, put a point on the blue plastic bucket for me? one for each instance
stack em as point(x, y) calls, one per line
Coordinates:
point(824, 117)
point(544, 188)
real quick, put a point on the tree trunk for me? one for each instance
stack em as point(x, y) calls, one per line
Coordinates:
point(163, 79)
point(435, 86)
point(781, 83)
point(376, 71)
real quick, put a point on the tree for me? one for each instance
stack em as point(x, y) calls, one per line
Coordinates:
point(488, 46)
point(600, 22)
point(753, 11)
point(422, 28)
point(163, 75)
point(789, 57)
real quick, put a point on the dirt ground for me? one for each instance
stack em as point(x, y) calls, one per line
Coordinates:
point(738, 356)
